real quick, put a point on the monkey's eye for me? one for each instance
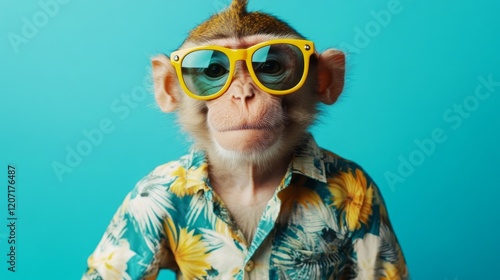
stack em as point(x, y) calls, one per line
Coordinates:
point(269, 67)
point(215, 70)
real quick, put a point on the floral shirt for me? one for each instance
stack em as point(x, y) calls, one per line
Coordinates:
point(326, 220)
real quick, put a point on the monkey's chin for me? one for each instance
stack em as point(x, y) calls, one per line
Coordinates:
point(256, 145)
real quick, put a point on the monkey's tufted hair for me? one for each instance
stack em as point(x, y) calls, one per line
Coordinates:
point(236, 21)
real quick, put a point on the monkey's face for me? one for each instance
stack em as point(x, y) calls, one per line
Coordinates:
point(246, 119)
point(249, 116)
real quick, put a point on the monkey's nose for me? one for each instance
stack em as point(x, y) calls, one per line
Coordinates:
point(244, 92)
point(242, 89)
point(242, 84)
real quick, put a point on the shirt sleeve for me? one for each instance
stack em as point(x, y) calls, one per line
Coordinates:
point(133, 245)
point(376, 250)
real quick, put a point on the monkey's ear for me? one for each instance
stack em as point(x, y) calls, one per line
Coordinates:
point(331, 72)
point(164, 83)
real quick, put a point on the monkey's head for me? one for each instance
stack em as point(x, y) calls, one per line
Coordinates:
point(246, 85)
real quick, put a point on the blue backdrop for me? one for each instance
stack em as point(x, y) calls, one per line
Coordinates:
point(420, 114)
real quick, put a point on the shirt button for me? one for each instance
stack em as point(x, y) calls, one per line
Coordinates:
point(249, 266)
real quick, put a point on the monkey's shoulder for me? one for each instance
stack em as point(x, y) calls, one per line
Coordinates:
point(320, 163)
point(335, 164)
point(184, 176)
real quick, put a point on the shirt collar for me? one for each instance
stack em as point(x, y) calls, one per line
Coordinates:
point(308, 160)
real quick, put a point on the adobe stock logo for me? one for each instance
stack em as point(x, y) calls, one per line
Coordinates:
point(31, 26)
point(454, 117)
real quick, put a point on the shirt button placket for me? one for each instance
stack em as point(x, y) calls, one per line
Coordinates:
point(249, 266)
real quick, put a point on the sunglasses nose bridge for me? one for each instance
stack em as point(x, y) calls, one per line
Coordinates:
point(237, 55)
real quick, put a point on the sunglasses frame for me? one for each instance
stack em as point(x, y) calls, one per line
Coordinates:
point(234, 55)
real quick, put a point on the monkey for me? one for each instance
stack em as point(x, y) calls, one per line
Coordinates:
point(256, 197)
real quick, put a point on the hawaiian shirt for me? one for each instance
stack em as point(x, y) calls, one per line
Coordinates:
point(326, 220)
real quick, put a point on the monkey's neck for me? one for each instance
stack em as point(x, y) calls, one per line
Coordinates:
point(245, 190)
point(247, 180)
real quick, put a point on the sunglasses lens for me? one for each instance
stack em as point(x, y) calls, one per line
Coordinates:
point(278, 66)
point(205, 72)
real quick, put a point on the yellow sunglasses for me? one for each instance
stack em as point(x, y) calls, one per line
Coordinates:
point(276, 66)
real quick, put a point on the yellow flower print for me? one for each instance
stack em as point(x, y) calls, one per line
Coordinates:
point(189, 251)
point(189, 181)
point(299, 194)
point(391, 272)
point(352, 196)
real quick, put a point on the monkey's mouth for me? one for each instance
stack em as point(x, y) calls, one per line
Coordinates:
point(252, 127)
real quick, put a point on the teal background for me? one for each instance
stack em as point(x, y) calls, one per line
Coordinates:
point(78, 69)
